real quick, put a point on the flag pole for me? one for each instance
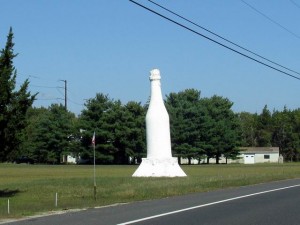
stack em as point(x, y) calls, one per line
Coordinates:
point(94, 147)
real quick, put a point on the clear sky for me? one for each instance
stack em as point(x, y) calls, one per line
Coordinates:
point(109, 46)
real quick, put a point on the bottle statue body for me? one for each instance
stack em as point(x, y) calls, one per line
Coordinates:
point(157, 122)
point(159, 161)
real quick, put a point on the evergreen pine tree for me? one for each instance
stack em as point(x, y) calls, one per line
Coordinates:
point(13, 103)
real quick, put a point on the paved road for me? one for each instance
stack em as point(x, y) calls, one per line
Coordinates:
point(273, 203)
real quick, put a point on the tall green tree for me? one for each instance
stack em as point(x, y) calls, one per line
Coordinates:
point(286, 134)
point(248, 128)
point(120, 129)
point(264, 128)
point(50, 134)
point(186, 118)
point(127, 125)
point(94, 119)
point(222, 129)
point(13, 103)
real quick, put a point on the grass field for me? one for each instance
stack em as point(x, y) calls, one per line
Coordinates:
point(31, 189)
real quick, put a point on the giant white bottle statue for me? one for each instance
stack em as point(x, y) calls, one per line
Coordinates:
point(159, 161)
point(157, 122)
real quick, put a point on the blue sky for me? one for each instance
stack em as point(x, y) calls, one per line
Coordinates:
point(109, 46)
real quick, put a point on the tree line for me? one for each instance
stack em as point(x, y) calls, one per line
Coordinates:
point(200, 127)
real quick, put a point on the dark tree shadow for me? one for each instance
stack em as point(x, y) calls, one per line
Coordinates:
point(8, 193)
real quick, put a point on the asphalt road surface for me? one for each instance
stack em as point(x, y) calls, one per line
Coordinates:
point(273, 203)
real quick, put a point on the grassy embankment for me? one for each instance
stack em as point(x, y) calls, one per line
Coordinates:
point(31, 188)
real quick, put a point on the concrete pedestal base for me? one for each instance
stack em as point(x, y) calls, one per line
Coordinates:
point(154, 167)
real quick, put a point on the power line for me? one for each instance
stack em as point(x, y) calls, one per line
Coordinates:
point(59, 91)
point(48, 99)
point(51, 99)
point(212, 40)
point(297, 5)
point(70, 100)
point(65, 98)
point(76, 103)
point(40, 86)
point(273, 21)
point(219, 36)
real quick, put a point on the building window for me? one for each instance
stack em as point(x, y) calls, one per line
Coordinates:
point(266, 156)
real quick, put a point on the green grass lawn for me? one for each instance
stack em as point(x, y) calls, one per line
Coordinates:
point(31, 189)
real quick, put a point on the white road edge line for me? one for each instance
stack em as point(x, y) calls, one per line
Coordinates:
point(208, 204)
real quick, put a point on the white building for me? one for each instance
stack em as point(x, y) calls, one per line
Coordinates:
point(248, 155)
point(251, 155)
point(68, 159)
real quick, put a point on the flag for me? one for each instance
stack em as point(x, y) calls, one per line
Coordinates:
point(93, 139)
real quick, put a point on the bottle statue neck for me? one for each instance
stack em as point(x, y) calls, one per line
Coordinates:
point(156, 94)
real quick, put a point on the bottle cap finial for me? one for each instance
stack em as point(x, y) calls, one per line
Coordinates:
point(155, 74)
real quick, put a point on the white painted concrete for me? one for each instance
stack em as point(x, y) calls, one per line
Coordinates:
point(157, 122)
point(159, 161)
point(159, 167)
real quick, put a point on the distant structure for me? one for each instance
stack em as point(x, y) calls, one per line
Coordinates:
point(159, 161)
point(247, 155)
point(252, 155)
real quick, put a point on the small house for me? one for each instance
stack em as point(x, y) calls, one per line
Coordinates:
point(68, 159)
point(248, 155)
point(252, 155)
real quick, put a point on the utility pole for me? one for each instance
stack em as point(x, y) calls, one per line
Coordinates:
point(65, 81)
